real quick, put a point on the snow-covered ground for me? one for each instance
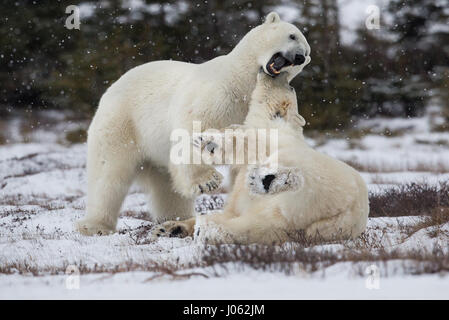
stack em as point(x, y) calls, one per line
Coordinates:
point(43, 191)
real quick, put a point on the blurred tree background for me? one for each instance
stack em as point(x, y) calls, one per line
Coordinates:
point(392, 71)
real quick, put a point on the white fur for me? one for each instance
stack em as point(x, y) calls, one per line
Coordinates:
point(312, 192)
point(129, 136)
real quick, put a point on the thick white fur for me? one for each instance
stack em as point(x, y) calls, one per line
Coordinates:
point(312, 192)
point(328, 199)
point(129, 138)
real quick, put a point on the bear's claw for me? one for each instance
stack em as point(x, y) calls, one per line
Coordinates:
point(208, 182)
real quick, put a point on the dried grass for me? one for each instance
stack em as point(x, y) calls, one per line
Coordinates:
point(409, 200)
point(415, 166)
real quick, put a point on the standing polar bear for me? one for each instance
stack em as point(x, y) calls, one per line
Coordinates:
point(295, 188)
point(129, 138)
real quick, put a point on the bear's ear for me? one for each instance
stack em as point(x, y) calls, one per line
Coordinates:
point(272, 17)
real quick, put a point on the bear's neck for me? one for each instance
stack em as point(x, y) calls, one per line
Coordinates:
point(258, 115)
point(243, 70)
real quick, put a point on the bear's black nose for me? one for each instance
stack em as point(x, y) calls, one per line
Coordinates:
point(299, 59)
point(266, 181)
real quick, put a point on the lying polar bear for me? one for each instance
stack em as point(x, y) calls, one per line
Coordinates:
point(307, 191)
point(129, 137)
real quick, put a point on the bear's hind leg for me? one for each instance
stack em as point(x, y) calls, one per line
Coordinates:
point(165, 203)
point(338, 227)
point(256, 227)
point(110, 175)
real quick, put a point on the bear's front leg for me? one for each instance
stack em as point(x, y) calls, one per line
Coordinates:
point(212, 146)
point(268, 227)
point(193, 180)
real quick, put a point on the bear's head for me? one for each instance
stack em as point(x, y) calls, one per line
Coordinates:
point(274, 98)
point(274, 93)
point(281, 47)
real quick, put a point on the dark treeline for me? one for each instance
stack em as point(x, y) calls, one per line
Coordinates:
point(391, 71)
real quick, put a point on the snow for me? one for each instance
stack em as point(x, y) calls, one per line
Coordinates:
point(353, 14)
point(412, 157)
point(43, 191)
point(253, 285)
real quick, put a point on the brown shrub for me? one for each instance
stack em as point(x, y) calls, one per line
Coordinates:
point(409, 200)
point(383, 167)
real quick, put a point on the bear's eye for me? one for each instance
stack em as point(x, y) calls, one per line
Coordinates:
point(292, 36)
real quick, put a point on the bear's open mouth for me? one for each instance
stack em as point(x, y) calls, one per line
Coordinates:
point(276, 63)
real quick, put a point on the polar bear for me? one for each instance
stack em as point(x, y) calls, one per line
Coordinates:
point(304, 190)
point(129, 137)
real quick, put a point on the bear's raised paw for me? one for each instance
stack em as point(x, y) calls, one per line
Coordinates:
point(263, 180)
